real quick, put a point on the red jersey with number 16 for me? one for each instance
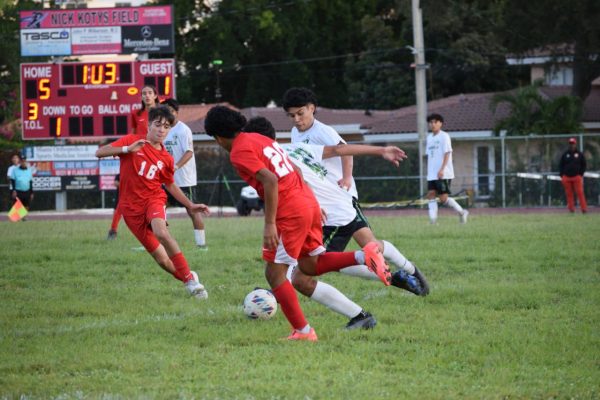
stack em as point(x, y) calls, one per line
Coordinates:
point(142, 174)
point(252, 152)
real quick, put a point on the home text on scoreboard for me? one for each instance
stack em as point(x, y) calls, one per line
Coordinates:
point(73, 99)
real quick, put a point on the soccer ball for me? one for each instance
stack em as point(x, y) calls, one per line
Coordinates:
point(260, 304)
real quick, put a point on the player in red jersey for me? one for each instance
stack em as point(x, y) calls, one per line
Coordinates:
point(292, 232)
point(145, 166)
point(139, 118)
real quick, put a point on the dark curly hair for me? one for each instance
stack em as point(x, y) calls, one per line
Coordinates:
point(260, 125)
point(298, 97)
point(224, 122)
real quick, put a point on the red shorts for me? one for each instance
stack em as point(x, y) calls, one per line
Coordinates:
point(139, 225)
point(299, 236)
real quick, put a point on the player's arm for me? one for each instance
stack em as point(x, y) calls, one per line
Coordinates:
point(184, 159)
point(347, 165)
point(110, 150)
point(392, 154)
point(271, 199)
point(181, 198)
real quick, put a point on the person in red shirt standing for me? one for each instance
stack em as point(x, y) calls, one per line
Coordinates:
point(146, 165)
point(292, 231)
point(139, 118)
point(572, 167)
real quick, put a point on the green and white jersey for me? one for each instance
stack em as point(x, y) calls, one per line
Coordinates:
point(336, 202)
point(324, 135)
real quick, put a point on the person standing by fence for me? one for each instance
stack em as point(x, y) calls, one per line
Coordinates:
point(572, 167)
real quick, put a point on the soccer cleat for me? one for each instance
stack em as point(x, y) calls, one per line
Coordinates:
point(202, 247)
point(311, 336)
point(463, 217)
point(403, 280)
point(422, 281)
point(195, 288)
point(112, 234)
point(376, 263)
point(363, 320)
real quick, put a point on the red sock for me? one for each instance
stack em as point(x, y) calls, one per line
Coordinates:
point(288, 301)
point(182, 270)
point(116, 219)
point(328, 262)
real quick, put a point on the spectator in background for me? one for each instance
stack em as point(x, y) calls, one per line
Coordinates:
point(440, 170)
point(15, 164)
point(22, 183)
point(112, 233)
point(139, 118)
point(572, 167)
point(180, 145)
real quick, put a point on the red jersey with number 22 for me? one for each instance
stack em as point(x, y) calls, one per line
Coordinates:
point(252, 152)
point(142, 174)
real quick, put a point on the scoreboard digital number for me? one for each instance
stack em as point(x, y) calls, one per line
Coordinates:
point(77, 100)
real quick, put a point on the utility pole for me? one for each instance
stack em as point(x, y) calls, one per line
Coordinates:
point(421, 86)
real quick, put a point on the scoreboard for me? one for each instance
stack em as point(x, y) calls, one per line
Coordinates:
point(94, 100)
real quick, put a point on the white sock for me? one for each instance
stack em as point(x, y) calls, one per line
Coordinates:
point(433, 210)
point(391, 253)
point(200, 237)
point(332, 298)
point(361, 271)
point(306, 329)
point(452, 203)
point(359, 256)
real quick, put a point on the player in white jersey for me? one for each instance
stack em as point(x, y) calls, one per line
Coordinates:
point(440, 170)
point(340, 213)
point(180, 145)
point(300, 105)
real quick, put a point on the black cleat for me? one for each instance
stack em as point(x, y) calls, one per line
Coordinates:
point(363, 320)
point(411, 283)
point(421, 278)
point(111, 235)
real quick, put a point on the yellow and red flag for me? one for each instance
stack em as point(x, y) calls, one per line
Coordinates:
point(17, 211)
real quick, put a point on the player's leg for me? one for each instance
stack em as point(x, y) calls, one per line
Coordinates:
point(578, 187)
point(157, 216)
point(197, 221)
point(112, 233)
point(287, 298)
point(567, 184)
point(443, 189)
point(432, 201)
point(333, 299)
point(316, 262)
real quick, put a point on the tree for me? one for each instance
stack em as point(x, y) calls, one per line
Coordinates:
point(462, 47)
point(379, 78)
point(10, 132)
point(551, 23)
point(531, 113)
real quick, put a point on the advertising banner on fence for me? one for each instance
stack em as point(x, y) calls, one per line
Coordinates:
point(97, 31)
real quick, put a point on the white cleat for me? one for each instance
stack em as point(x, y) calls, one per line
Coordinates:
point(195, 288)
point(463, 217)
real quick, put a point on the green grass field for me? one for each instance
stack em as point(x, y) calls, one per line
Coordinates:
point(514, 313)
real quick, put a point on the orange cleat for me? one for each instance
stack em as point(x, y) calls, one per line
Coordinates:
point(311, 336)
point(376, 263)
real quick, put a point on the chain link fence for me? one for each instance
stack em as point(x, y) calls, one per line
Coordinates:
point(516, 171)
